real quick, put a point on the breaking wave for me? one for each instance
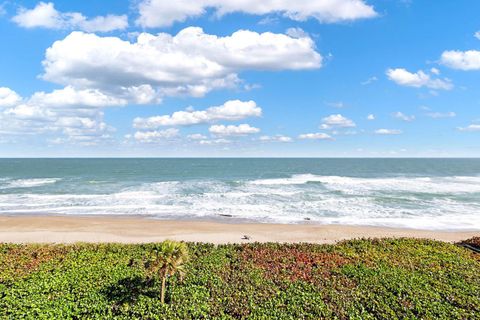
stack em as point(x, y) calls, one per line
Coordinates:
point(412, 202)
point(26, 183)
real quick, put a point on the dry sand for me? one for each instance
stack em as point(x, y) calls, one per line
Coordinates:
point(62, 229)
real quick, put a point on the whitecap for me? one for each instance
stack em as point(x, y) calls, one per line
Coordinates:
point(412, 202)
point(29, 183)
point(362, 185)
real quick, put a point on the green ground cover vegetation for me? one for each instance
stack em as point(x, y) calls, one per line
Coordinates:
point(359, 279)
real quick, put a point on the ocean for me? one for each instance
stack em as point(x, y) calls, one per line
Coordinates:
point(439, 194)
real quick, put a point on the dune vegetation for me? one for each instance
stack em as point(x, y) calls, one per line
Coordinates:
point(359, 279)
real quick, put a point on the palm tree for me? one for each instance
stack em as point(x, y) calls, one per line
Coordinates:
point(166, 260)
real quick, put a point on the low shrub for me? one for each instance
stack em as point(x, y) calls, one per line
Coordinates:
point(359, 279)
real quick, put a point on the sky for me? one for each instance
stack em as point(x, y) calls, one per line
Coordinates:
point(240, 78)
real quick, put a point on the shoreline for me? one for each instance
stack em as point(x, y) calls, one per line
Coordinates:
point(68, 229)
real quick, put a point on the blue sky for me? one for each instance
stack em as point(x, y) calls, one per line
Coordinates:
point(346, 78)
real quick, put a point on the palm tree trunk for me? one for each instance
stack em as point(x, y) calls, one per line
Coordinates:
point(162, 293)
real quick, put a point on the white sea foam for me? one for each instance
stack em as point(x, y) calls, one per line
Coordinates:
point(294, 179)
point(410, 184)
point(28, 183)
point(412, 202)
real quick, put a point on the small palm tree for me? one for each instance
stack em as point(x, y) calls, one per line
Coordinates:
point(166, 260)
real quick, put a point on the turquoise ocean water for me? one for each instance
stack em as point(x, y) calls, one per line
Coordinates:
point(412, 193)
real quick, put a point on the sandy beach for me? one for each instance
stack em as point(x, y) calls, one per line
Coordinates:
point(61, 229)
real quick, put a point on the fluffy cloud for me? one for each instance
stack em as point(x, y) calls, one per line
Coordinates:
point(276, 138)
point(101, 72)
point(230, 111)
point(388, 132)
point(418, 79)
point(371, 117)
point(191, 62)
point(44, 15)
point(159, 13)
point(70, 97)
point(315, 136)
point(74, 114)
point(477, 35)
point(439, 115)
point(85, 131)
point(155, 136)
point(8, 97)
point(29, 112)
point(403, 117)
point(336, 121)
point(462, 60)
point(470, 128)
point(231, 130)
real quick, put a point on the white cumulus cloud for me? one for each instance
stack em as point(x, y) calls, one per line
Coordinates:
point(191, 62)
point(417, 79)
point(461, 60)
point(159, 13)
point(8, 97)
point(74, 114)
point(44, 15)
point(29, 112)
point(230, 111)
point(69, 96)
point(231, 130)
point(100, 72)
point(336, 121)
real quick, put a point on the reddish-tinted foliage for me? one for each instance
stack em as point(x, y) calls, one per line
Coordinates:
point(22, 260)
point(293, 263)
